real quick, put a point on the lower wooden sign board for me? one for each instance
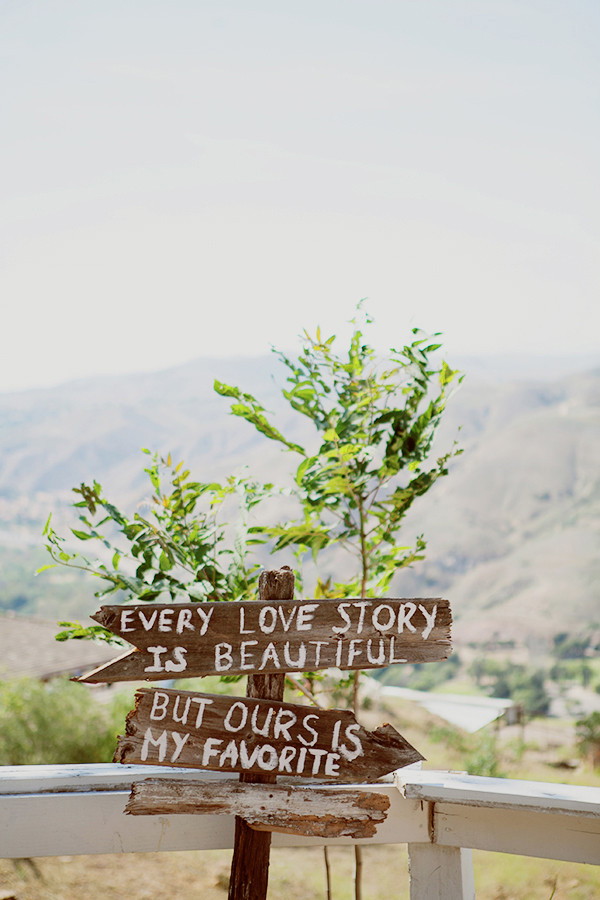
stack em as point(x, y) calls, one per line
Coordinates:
point(294, 810)
point(235, 734)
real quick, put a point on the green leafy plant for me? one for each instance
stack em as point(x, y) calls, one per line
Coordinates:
point(374, 421)
point(373, 424)
point(484, 758)
point(524, 685)
point(176, 551)
point(587, 731)
point(57, 722)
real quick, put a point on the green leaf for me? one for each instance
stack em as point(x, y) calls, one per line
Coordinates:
point(82, 535)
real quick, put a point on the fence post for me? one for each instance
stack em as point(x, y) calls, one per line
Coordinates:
point(440, 873)
point(251, 850)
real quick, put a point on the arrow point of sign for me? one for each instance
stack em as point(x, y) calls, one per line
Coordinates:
point(387, 736)
point(110, 671)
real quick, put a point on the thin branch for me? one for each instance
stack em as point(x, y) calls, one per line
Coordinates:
point(294, 681)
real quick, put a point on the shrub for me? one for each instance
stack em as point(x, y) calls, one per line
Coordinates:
point(57, 722)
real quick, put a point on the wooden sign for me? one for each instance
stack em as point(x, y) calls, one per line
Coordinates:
point(242, 637)
point(282, 808)
point(234, 734)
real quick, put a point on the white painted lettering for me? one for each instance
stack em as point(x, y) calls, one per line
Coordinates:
point(160, 703)
point(341, 608)
point(247, 761)
point(184, 620)
point(126, 617)
point(264, 729)
point(160, 742)
point(156, 665)
point(210, 749)
point(243, 629)
point(353, 651)
point(335, 737)
point(392, 660)
point(383, 626)
point(223, 657)
point(202, 702)
point(301, 659)
point(351, 736)
point(332, 765)
point(282, 727)
point(405, 614)
point(310, 729)
point(380, 661)
point(178, 664)
point(164, 620)
point(205, 615)
point(267, 619)
point(429, 618)
point(182, 719)
point(317, 757)
point(246, 655)
point(318, 645)
point(301, 759)
point(269, 655)
point(243, 712)
point(148, 623)
point(306, 614)
point(180, 740)
point(230, 754)
point(287, 622)
point(285, 758)
point(362, 605)
point(267, 758)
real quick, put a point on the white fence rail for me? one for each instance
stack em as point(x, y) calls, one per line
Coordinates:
point(70, 810)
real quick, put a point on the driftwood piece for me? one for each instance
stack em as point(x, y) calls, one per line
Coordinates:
point(275, 635)
point(315, 812)
point(234, 734)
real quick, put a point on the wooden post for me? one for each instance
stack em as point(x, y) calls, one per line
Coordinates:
point(440, 873)
point(251, 849)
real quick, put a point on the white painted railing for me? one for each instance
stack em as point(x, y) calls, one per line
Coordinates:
point(69, 810)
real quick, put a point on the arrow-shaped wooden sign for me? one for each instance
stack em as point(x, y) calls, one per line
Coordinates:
point(234, 734)
point(241, 637)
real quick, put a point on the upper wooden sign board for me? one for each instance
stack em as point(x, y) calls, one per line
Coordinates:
point(242, 637)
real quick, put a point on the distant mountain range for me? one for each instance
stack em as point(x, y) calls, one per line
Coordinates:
point(513, 532)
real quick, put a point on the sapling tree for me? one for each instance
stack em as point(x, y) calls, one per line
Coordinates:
point(373, 424)
point(373, 421)
point(177, 549)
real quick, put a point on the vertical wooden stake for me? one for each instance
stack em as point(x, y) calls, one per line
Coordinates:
point(251, 849)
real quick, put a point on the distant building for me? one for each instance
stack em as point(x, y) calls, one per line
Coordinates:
point(28, 648)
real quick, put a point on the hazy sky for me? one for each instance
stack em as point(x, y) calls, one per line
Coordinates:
point(199, 178)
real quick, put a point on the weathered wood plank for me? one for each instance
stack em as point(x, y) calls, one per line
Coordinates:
point(279, 808)
point(233, 734)
point(249, 876)
point(93, 822)
point(477, 790)
point(195, 639)
point(574, 838)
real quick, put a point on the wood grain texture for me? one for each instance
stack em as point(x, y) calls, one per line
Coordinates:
point(249, 876)
point(195, 639)
point(233, 734)
point(278, 808)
